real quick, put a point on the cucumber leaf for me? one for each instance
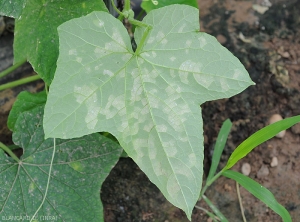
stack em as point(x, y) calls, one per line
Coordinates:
point(12, 8)
point(25, 102)
point(80, 166)
point(36, 37)
point(149, 99)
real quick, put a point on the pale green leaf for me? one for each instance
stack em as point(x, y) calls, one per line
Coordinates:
point(148, 100)
point(258, 138)
point(259, 192)
point(149, 5)
point(36, 37)
point(25, 102)
point(12, 8)
point(80, 166)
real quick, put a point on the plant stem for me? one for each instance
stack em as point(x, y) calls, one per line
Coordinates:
point(12, 68)
point(240, 201)
point(19, 82)
point(115, 7)
point(6, 149)
point(127, 5)
point(139, 16)
point(121, 17)
point(208, 183)
point(139, 23)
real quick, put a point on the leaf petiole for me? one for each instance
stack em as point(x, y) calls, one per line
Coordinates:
point(115, 8)
point(7, 150)
point(12, 68)
point(127, 5)
point(19, 82)
point(139, 16)
point(129, 14)
point(138, 23)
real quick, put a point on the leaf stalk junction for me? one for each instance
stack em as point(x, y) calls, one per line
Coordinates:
point(127, 13)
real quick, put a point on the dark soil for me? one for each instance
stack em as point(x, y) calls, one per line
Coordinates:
point(269, 47)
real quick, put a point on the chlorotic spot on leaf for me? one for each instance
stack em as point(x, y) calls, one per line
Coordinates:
point(31, 188)
point(150, 100)
point(77, 166)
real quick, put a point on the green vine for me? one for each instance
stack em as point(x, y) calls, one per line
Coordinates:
point(19, 82)
point(12, 68)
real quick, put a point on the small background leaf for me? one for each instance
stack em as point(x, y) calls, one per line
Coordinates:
point(258, 138)
point(25, 101)
point(12, 8)
point(259, 192)
point(36, 37)
point(79, 168)
point(148, 5)
point(219, 147)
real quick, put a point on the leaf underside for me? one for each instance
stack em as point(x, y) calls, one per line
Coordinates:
point(36, 37)
point(80, 166)
point(148, 101)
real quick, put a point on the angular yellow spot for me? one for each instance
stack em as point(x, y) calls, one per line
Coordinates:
point(77, 166)
point(31, 187)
